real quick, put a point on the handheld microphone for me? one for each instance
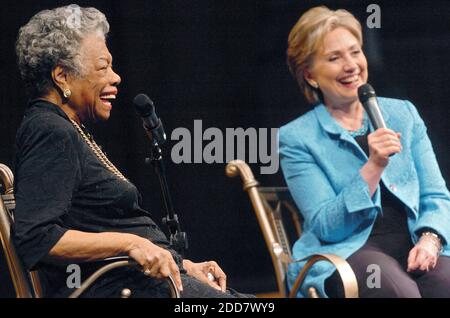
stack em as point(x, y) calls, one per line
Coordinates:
point(152, 124)
point(368, 99)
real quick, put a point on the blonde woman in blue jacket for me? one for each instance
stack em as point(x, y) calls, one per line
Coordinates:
point(372, 197)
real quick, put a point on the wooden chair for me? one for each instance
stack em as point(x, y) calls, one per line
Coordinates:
point(270, 205)
point(26, 283)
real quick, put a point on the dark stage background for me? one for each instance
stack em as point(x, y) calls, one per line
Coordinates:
point(224, 62)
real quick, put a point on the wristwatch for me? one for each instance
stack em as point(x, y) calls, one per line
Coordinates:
point(436, 239)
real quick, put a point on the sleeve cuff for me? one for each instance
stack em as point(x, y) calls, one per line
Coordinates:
point(357, 196)
point(426, 223)
point(34, 252)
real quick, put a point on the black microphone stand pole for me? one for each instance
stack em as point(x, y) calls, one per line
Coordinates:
point(178, 238)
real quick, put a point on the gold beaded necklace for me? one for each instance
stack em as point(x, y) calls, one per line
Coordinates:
point(98, 152)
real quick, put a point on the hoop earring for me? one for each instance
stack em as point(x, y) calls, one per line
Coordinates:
point(67, 93)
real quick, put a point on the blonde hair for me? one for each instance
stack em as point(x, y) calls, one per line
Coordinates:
point(306, 39)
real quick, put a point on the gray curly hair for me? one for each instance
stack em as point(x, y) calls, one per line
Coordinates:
point(53, 37)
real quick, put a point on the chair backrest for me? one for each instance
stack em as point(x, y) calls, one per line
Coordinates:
point(26, 284)
point(271, 206)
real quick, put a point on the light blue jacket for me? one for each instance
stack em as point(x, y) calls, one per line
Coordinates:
point(321, 163)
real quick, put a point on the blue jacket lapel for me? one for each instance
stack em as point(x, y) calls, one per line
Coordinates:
point(331, 126)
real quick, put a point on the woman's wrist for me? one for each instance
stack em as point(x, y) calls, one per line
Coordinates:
point(375, 165)
point(433, 238)
point(371, 173)
point(130, 242)
point(187, 264)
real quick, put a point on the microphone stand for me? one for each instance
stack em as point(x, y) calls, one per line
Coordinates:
point(178, 238)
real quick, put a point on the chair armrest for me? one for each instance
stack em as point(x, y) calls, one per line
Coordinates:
point(6, 178)
point(342, 266)
point(116, 262)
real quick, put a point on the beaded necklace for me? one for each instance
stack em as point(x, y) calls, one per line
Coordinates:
point(98, 152)
point(361, 131)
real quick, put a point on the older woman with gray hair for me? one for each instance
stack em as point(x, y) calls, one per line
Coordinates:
point(72, 203)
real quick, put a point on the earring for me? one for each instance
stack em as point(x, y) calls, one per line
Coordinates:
point(67, 93)
point(315, 85)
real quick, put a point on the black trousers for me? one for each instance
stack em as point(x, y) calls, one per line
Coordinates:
point(142, 286)
point(389, 254)
point(112, 283)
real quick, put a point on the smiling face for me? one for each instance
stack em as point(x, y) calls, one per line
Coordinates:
point(339, 68)
point(93, 91)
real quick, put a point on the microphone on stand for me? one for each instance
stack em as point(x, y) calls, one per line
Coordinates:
point(152, 124)
point(155, 131)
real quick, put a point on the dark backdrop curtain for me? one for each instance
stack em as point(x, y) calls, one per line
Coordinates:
point(224, 62)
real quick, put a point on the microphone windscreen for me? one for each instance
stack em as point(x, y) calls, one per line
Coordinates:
point(144, 105)
point(365, 92)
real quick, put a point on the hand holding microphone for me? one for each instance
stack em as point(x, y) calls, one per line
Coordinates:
point(383, 142)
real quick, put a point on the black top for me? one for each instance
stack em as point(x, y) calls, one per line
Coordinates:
point(394, 218)
point(60, 184)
